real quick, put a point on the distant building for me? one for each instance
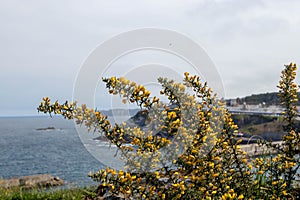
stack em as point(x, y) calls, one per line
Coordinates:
point(231, 102)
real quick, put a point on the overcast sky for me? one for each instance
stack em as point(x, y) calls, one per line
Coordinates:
point(44, 43)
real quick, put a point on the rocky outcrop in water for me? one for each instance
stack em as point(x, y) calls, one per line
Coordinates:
point(46, 129)
point(32, 181)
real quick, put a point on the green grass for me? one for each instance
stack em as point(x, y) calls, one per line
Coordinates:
point(268, 127)
point(50, 194)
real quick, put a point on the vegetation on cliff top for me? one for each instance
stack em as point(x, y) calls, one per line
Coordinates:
point(269, 98)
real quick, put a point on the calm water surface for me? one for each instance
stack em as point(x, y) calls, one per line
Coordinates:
point(26, 150)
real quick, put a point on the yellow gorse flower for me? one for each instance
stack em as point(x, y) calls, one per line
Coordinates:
point(199, 156)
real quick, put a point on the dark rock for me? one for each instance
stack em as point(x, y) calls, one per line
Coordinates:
point(45, 129)
point(101, 138)
point(39, 180)
point(139, 119)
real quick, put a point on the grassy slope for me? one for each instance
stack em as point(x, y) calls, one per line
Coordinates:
point(50, 194)
point(261, 125)
point(259, 129)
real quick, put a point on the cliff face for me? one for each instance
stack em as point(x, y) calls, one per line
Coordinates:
point(140, 119)
point(267, 127)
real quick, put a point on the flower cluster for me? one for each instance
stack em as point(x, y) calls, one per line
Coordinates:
point(190, 150)
point(277, 174)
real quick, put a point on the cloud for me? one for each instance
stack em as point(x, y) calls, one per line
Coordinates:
point(44, 43)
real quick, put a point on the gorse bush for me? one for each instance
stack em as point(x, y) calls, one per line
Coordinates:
point(188, 149)
point(281, 171)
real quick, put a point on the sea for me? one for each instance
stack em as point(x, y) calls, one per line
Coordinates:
point(53, 145)
point(45, 145)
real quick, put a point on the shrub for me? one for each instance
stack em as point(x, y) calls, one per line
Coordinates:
point(190, 151)
point(281, 171)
